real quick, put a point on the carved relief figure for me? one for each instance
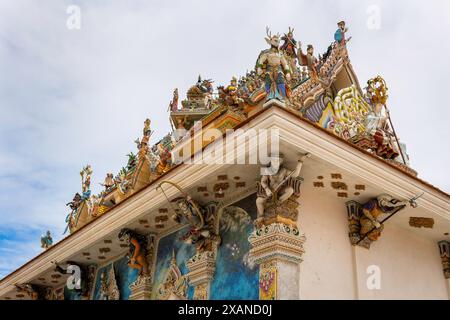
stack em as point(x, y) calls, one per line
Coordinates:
point(366, 220)
point(276, 189)
point(137, 253)
point(274, 68)
point(201, 219)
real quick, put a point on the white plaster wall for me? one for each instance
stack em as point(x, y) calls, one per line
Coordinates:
point(333, 269)
point(327, 269)
point(410, 267)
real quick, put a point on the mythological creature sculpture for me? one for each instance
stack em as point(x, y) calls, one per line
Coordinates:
point(201, 219)
point(137, 253)
point(46, 240)
point(274, 190)
point(272, 65)
point(73, 205)
point(365, 219)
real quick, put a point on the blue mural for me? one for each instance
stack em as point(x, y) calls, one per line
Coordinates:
point(183, 252)
point(71, 294)
point(236, 277)
point(124, 276)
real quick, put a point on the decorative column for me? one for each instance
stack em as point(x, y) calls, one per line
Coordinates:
point(201, 271)
point(277, 243)
point(278, 249)
point(202, 265)
point(141, 289)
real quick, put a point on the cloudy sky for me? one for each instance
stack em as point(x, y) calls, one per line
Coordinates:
point(69, 97)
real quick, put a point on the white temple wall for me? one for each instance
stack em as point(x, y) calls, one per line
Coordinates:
point(333, 269)
point(410, 267)
point(326, 270)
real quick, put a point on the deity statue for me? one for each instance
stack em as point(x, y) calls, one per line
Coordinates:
point(46, 240)
point(308, 60)
point(173, 105)
point(75, 203)
point(276, 189)
point(230, 95)
point(86, 174)
point(289, 47)
point(272, 65)
point(160, 156)
point(202, 224)
point(377, 123)
point(121, 181)
point(290, 44)
point(109, 181)
point(147, 131)
point(201, 219)
point(137, 253)
point(339, 35)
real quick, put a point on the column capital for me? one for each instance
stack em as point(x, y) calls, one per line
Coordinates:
point(202, 267)
point(276, 241)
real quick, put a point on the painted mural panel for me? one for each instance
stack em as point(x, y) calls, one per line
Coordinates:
point(236, 277)
point(71, 294)
point(168, 246)
point(113, 280)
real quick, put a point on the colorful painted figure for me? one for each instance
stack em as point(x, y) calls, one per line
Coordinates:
point(278, 186)
point(173, 105)
point(230, 95)
point(339, 35)
point(308, 60)
point(373, 209)
point(46, 240)
point(109, 181)
point(137, 250)
point(272, 65)
point(86, 174)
